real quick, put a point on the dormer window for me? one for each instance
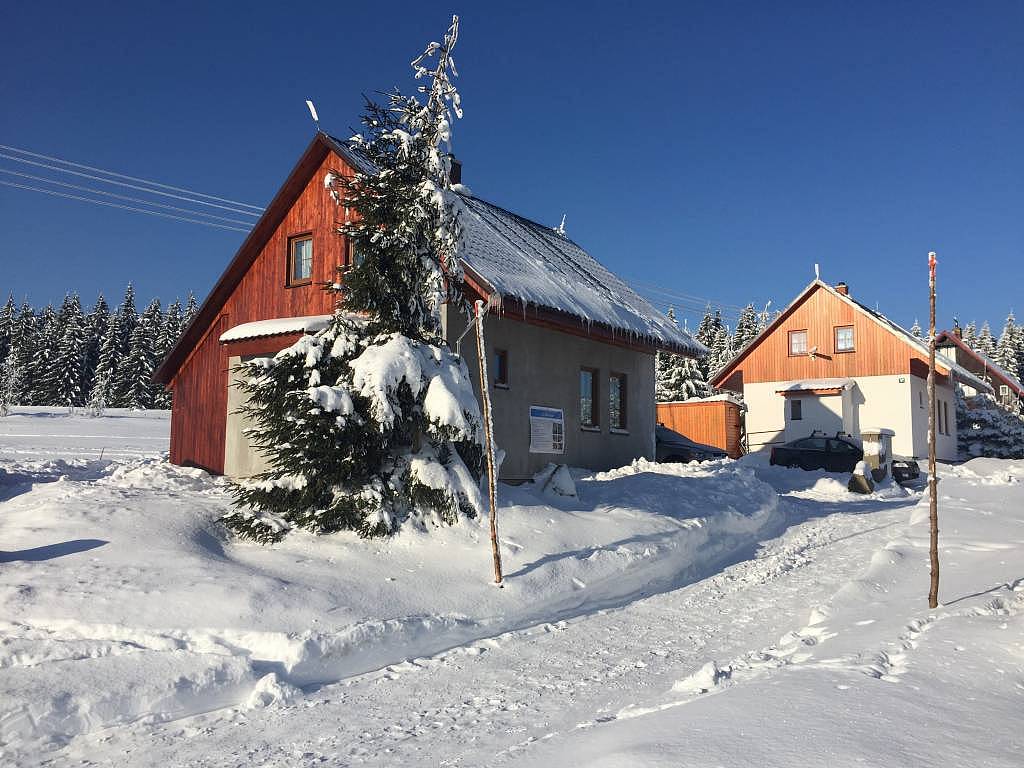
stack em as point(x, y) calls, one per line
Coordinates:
point(300, 260)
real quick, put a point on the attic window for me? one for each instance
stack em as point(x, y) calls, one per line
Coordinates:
point(798, 343)
point(844, 338)
point(300, 260)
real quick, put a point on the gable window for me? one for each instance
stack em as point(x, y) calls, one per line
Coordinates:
point(797, 343)
point(500, 372)
point(300, 260)
point(617, 401)
point(588, 397)
point(796, 410)
point(844, 338)
point(1004, 394)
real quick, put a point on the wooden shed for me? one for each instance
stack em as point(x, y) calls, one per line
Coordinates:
point(713, 421)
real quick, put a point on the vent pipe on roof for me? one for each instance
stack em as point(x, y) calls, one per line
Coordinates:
point(843, 289)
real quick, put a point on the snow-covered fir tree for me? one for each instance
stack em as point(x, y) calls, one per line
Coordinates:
point(986, 429)
point(721, 347)
point(1006, 348)
point(96, 326)
point(915, 329)
point(986, 344)
point(7, 316)
point(22, 354)
point(747, 328)
point(678, 377)
point(45, 341)
point(65, 384)
point(135, 388)
point(373, 421)
point(970, 335)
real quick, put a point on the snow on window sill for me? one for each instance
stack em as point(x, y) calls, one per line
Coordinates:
point(590, 428)
point(500, 385)
point(617, 431)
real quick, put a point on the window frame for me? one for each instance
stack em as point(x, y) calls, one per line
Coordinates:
point(595, 415)
point(796, 409)
point(789, 342)
point(835, 339)
point(500, 375)
point(290, 280)
point(623, 380)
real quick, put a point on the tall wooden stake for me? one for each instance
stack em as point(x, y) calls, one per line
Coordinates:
point(933, 481)
point(485, 402)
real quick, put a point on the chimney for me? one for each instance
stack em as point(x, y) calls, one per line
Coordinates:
point(957, 330)
point(843, 288)
point(455, 172)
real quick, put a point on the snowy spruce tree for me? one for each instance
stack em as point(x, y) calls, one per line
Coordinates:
point(373, 421)
point(134, 387)
point(1006, 348)
point(678, 377)
point(984, 428)
point(915, 330)
point(747, 328)
point(65, 384)
point(986, 343)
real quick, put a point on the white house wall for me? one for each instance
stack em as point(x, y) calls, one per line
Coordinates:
point(896, 402)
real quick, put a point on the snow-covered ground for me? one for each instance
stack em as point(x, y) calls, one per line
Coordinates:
point(720, 614)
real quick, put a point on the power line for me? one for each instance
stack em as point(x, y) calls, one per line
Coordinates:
point(125, 184)
point(165, 206)
point(118, 205)
point(256, 208)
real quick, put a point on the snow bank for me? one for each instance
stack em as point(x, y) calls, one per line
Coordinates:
point(141, 607)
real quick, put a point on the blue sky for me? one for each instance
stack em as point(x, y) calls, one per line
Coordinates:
point(716, 150)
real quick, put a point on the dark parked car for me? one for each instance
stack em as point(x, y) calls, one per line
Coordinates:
point(838, 453)
point(904, 469)
point(672, 447)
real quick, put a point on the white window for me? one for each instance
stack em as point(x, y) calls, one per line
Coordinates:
point(844, 338)
point(300, 260)
point(798, 342)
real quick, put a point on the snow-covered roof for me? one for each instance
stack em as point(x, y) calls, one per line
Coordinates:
point(810, 385)
point(725, 397)
point(537, 265)
point(277, 326)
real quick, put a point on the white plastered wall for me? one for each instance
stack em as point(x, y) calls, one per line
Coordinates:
point(896, 402)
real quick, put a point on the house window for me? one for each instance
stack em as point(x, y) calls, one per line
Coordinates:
point(588, 397)
point(844, 338)
point(797, 343)
point(796, 410)
point(1004, 394)
point(300, 260)
point(355, 255)
point(945, 414)
point(617, 401)
point(920, 399)
point(500, 363)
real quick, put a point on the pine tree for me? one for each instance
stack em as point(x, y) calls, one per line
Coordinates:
point(1006, 349)
point(7, 316)
point(721, 347)
point(191, 307)
point(65, 374)
point(96, 326)
point(970, 337)
point(22, 354)
point(122, 377)
point(102, 394)
point(747, 328)
point(135, 378)
point(678, 377)
point(984, 428)
point(9, 383)
point(986, 344)
point(169, 334)
point(373, 420)
point(45, 342)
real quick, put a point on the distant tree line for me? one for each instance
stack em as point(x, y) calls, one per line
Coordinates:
point(98, 359)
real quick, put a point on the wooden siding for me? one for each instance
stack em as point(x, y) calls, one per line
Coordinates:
point(199, 412)
point(877, 351)
point(714, 423)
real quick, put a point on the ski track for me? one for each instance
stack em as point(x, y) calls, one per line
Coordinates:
point(533, 684)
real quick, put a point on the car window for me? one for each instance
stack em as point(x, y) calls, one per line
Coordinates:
point(841, 446)
point(810, 444)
